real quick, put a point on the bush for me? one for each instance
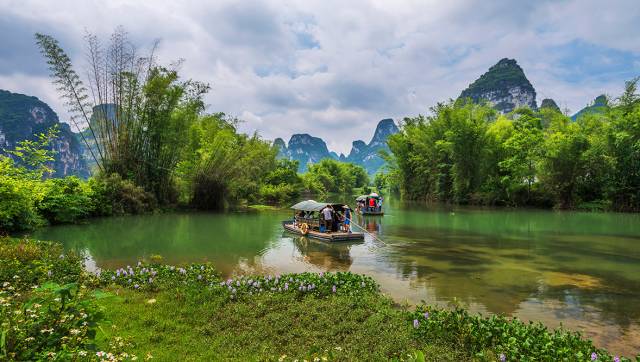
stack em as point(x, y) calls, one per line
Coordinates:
point(17, 205)
point(65, 200)
point(277, 194)
point(27, 263)
point(111, 195)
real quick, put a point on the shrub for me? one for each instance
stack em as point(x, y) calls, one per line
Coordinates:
point(28, 263)
point(277, 194)
point(64, 200)
point(111, 195)
point(17, 205)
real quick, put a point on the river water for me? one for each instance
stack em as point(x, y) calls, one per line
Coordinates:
point(581, 270)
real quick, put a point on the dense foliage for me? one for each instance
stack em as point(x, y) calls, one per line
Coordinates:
point(507, 339)
point(47, 308)
point(137, 112)
point(467, 153)
point(334, 176)
point(27, 200)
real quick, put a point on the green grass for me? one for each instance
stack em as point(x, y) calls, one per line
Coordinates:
point(196, 326)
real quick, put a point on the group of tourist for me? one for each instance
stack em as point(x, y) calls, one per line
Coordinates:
point(331, 220)
point(335, 220)
point(370, 204)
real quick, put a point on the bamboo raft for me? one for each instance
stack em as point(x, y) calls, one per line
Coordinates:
point(331, 236)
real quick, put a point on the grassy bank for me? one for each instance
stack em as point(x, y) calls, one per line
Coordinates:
point(52, 310)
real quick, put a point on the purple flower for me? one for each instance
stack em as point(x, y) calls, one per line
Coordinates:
point(502, 357)
point(286, 286)
point(333, 289)
point(426, 315)
point(616, 359)
point(113, 277)
point(118, 272)
point(124, 272)
point(594, 356)
point(136, 286)
point(416, 323)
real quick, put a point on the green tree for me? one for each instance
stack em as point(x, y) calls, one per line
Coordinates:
point(136, 113)
point(523, 149)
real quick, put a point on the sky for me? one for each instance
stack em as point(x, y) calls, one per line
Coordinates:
point(333, 69)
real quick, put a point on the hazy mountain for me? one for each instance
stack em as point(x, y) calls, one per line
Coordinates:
point(305, 149)
point(599, 105)
point(367, 155)
point(504, 86)
point(22, 117)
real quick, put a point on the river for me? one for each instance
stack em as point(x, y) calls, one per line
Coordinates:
point(581, 270)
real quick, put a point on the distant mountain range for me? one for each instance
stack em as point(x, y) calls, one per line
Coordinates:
point(307, 149)
point(504, 86)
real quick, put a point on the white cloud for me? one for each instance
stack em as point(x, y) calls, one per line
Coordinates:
point(333, 68)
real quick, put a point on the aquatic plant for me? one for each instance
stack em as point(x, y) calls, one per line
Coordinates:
point(507, 338)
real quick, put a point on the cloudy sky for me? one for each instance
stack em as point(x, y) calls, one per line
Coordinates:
point(335, 68)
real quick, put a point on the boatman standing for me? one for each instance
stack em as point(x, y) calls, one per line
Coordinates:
point(347, 219)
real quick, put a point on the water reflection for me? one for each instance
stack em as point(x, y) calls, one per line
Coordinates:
point(578, 269)
point(323, 255)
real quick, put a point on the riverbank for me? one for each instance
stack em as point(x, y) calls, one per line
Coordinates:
point(162, 311)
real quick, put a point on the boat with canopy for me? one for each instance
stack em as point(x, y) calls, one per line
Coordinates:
point(370, 204)
point(308, 221)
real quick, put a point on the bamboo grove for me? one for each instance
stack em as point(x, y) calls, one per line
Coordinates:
point(467, 153)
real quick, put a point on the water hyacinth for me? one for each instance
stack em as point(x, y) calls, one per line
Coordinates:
point(594, 356)
point(155, 276)
point(503, 358)
point(416, 323)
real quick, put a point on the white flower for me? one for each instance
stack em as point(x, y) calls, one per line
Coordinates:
point(82, 353)
point(74, 331)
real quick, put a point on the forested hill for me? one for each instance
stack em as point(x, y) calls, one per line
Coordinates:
point(504, 86)
point(23, 117)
